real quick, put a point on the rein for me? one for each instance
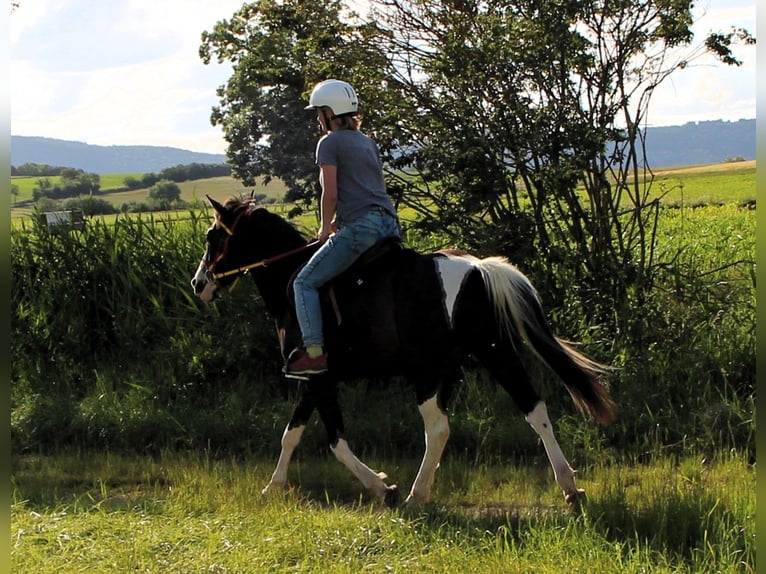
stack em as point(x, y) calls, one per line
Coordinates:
point(263, 263)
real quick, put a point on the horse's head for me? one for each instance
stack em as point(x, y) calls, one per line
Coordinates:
point(225, 252)
point(243, 237)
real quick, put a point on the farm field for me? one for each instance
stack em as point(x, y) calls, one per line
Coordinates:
point(711, 184)
point(193, 514)
point(716, 183)
point(112, 190)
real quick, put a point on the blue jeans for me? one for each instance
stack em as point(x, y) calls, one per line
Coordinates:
point(333, 258)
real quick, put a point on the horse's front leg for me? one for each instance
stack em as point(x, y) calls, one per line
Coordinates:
point(325, 395)
point(437, 433)
point(302, 410)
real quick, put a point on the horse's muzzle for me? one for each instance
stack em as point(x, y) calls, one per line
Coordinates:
point(203, 284)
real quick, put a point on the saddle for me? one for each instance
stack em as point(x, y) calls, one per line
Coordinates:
point(377, 260)
point(382, 248)
point(368, 264)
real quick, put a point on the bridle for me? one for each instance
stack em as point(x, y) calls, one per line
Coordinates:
point(262, 263)
point(245, 268)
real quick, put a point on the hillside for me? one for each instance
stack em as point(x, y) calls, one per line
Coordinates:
point(103, 159)
point(700, 143)
point(690, 144)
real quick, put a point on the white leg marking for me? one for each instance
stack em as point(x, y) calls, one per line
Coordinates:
point(290, 439)
point(452, 272)
point(437, 433)
point(538, 419)
point(372, 481)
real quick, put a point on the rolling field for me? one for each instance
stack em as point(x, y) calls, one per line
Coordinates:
point(112, 190)
point(717, 183)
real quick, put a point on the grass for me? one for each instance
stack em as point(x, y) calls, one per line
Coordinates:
point(191, 513)
point(732, 182)
point(695, 185)
point(196, 512)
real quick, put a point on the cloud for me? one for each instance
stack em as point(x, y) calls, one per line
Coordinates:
point(153, 103)
point(128, 72)
point(133, 77)
point(28, 14)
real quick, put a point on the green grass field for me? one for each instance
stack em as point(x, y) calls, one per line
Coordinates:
point(27, 184)
point(192, 514)
point(732, 182)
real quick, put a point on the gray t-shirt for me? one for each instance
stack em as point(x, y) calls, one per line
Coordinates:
point(360, 173)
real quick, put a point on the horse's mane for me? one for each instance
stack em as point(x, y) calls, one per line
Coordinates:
point(275, 223)
point(235, 203)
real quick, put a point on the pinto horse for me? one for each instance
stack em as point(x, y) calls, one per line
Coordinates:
point(403, 314)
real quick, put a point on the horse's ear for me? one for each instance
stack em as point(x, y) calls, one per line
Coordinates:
point(216, 205)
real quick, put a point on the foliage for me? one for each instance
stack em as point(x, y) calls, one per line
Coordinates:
point(178, 174)
point(36, 169)
point(110, 305)
point(278, 51)
point(89, 205)
point(73, 182)
point(165, 190)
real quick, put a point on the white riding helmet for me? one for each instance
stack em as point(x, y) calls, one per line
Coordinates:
point(337, 95)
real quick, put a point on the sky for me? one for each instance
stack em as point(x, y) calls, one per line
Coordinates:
point(127, 72)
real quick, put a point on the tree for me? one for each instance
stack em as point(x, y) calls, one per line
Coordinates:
point(165, 191)
point(279, 50)
point(525, 118)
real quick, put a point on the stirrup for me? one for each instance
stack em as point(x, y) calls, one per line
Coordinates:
point(297, 377)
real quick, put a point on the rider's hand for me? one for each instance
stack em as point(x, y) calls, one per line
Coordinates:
point(323, 235)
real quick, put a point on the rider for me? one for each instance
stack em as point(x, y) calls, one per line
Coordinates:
point(356, 212)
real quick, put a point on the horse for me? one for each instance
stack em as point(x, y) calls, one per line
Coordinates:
point(398, 312)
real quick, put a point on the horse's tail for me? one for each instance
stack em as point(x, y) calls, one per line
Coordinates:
point(519, 314)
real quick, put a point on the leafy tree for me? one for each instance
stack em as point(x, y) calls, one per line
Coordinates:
point(37, 169)
point(149, 179)
point(165, 191)
point(132, 182)
point(71, 173)
point(525, 120)
point(279, 50)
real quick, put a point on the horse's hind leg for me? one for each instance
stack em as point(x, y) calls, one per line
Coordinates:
point(538, 419)
point(290, 439)
point(502, 361)
point(329, 410)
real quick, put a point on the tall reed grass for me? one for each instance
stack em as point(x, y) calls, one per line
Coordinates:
point(111, 349)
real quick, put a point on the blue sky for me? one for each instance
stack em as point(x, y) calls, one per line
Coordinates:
point(127, 72)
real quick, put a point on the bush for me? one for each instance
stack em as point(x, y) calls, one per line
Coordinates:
point(91, 206)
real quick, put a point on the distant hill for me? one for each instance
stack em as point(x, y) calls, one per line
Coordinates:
point(690, 144)
point(700, 143)
point(104, 159)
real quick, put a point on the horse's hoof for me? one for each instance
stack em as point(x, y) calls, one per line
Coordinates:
point(271, 488)
point(412, 501)
point(576, 498)
point(391, 498)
